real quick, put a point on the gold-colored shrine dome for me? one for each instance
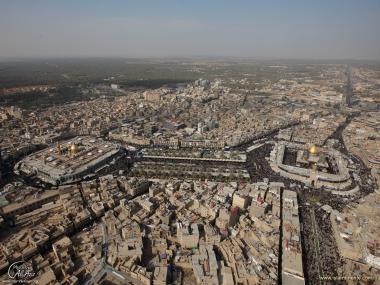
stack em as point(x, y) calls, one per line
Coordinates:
point(313, 149)
point(74, 148)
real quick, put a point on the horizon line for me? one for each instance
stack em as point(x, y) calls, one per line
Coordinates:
point(68, 57)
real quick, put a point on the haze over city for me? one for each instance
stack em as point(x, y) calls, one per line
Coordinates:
point(324, 29)
point(190, 142)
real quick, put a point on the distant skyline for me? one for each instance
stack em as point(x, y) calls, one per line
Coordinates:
point(323, 29)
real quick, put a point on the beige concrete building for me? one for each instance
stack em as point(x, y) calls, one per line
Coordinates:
point(292, 268)
point(188, 235)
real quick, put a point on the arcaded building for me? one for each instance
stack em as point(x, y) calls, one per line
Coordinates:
point(316, 167)
point(70, 161)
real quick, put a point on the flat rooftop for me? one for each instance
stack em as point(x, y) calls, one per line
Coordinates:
point(70, 157)
point(291, 244)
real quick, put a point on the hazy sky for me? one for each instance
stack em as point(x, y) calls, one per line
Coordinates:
point(267, 28)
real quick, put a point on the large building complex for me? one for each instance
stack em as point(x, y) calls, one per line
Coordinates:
point(70, 161)
point(316, 167)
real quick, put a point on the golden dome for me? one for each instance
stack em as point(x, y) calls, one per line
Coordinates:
point(313, 149)
point(73, 148)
